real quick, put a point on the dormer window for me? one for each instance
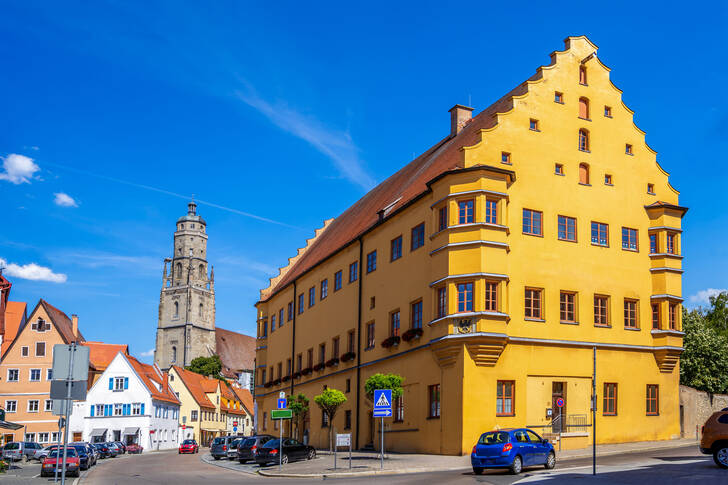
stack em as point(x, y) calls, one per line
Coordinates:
point(40, 326)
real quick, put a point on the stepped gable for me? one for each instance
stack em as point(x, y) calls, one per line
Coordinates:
point(236, 351)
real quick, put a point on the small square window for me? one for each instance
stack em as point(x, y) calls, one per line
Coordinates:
point(559, 169)
point(533, 125)
point(607, 179)
point(505, 157)
point(608, 111)
point(559, 97)
point(651, 189)
point(628, 149)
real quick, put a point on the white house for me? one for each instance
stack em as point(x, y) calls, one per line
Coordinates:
point(130, 402)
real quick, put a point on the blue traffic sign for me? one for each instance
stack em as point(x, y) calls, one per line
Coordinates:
point(382, 403)
point(560, 402)
point(281, 404)
point(235, 429)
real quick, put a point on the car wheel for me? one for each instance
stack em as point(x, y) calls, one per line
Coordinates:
point(516, 466)
point(311, 454)
point(720, 456)
point(477, 470)
point(550, 461)
point(284, 459)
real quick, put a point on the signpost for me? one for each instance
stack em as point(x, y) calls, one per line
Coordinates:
point(382, 409)
point(281, 413)
point(343, 440)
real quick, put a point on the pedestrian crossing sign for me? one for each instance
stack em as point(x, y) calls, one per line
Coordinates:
point(382, 403)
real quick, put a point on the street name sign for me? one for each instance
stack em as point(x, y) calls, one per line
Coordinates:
point(382, 403)
point(281, 414)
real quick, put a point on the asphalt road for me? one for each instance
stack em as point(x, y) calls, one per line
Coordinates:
point(678, 465)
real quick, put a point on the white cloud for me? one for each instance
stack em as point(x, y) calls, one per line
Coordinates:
point(148, 353)
point(703, 296)
point(18, 169)
point(64, 200)
point(336, 145)
point(32, 272)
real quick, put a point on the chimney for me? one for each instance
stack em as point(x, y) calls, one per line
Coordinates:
point(74, 322)
point(459, 116)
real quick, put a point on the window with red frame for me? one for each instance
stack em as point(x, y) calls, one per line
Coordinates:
point(533, 303)
point(655, 315)
point(653, 400)
point(630, 313)
point(601, 316)
point(567, 307)
point(629, 239)
point(673, 316)
point(465, 297)
point(532, 222)
point(491, 211)
point(491, 296)
point(653, 243)
point(466, 211)
point(610, 399)
point(584, 142)
point(671, 246)
point(433, 395)
point(441, 302)
point(504, 398)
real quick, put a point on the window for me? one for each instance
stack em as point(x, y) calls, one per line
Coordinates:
point(584, 174)
point(370, 335)
point(610, 399)
point(532, 222)
point(465, 211)
point(322, 353)
point(442, 219)
point(491, 296)
point(324, 288)
point(671, 246)
point(311, 296)
point(559, 169)
point(300, 303)
point(504, 398)
point(310, 357)
point(49, 374)
point(655, 316)
point(372, 261)
point(399, 409)
point(118, 383)
point(433, 394)
point(628, 149)
point(200, 310)
point(673, 316)
point(264, 326)
point(13, 375)
point(394, 324)
point(24, 351)
point(567, 307)
point(599, 234)
point(417, 314)
point(582, 75)
point(418, 236)
point(33, 406)
point(353, 271)
point(350, 341)
point(34, 375)
point(651, 189)
point(558, 97)
point(465, 297)
point(533, 303)
point(43, 437)
point(290, 313)
point(347, 419)
point(441, 302)
point(48, 405)
point(567, 228)
point(653, 400)
point(396, 247)
point(533, 124)
point(607, 179)
point(601, 310)
point(176, 309)
point(289, 366)
point(608, 111)
point(193, 415)
point(280, 370)
point(372, 302)
point(506, 157)
point(55, 437)
point(280, 317)
point(629, 239)
point(334, 349)
point(99, 410)
point(583, 140)
point(30, 437)
point(584, 108)
point(630, 313)
point(491, 211)
point(299, 362)
point(337, 280)
point(11, 406)
point(136, 408)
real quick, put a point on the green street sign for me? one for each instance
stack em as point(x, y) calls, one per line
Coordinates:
point(281, 414)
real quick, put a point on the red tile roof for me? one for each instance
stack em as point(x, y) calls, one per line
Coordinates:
point(209, 384)
point(228, 394)
point(246, 398)
point(236, 351)
point(62, 323)
point(101, 354)
point(154, 379)
point(193, 383)
point(15, 316)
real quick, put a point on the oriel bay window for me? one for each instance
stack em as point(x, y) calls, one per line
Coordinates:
point(630, 313)
point(610, 399)
point(491, 296)
point(673, 316)
point(672, 243)
point(441, 302)
point(567, 307)
point(653, 400)
point(491, 211)
point(465, 297)
point(504, 398)
point(655, 316)
point(601, 312)
point(533, 303)
point(653, 243)
point(466, 211)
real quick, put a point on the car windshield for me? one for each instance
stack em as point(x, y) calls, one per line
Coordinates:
point(494, 438)
point(248, 442)
point(272, 443)
point(188, 442)
point(70, 453)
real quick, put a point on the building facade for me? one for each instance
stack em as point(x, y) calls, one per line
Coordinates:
point(488, 272)
point(201, 418)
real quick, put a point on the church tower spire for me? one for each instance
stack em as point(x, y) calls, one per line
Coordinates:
point(186, 321)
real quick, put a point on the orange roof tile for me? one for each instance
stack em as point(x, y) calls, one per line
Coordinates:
point(101, 354)
point(154, 380)
point(246, 398)
point(15, 317)
point(209, 384)
point(193, 383)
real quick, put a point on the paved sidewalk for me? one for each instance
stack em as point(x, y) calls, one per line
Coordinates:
point(368, 463)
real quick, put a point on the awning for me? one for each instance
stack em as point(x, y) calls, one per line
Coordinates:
point(9, 425)
point(130, 431)
point(98, 432)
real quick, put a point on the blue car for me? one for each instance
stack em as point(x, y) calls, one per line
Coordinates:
point(513, 449)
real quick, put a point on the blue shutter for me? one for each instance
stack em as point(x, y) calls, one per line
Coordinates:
point(111, 383)
point(126, 383)
point(142, 408)
point(92, 410)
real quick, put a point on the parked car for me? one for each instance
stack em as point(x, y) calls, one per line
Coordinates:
point(292, 450)
point(249, 446)
point(134, 449)
point(232, 452)
point(103, 450)
point(55, 459)
point(189, 446)
point(114, 449)
point(87, 458)
point(42, 453)
point(219, 446)
point(15, 450)
point(715, 437)
point(512, 449)
point(121, 446)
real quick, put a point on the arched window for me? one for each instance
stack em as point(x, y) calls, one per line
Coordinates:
point(584, 108)
point(583, 140)
point(202, 272)
point(584, 173)
point(201, 307)
point(176, 309)
point(178, 270)
point(174, 355)
point(582, 75)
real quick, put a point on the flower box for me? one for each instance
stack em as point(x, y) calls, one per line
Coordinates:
point(332, 362)
point(277, 381)
point(412, 334)
point(286, 378)
point(390, 341)
point(306, 371)
point(319, 366)
point(268, 384)
point(348, 356)
point(296, 375)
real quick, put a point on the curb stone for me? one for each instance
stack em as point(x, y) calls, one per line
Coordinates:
point(219, 464)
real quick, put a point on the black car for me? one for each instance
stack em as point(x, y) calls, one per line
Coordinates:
point(292, 450)
point(248, 446)
point(103, 450)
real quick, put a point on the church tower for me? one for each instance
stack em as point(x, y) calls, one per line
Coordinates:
point(186, 327)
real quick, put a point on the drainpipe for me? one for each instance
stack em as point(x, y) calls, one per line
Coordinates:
point(358, 342)
point(293, 351)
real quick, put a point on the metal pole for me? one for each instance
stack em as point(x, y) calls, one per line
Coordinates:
point(55, 478)
point(280, 445)
point(594, 412)
point(381, 449)
point(69, 382)
point(350, 452)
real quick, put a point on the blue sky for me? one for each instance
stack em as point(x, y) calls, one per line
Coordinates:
point(279, 116)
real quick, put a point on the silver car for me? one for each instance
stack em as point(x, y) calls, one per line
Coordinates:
point(42, 453)
point(15, 450)
point(232, 451)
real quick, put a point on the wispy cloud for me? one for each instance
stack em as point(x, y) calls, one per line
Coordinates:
point(148, 353)
point(335, 144)
point(101, 259)
point(703, 296)
point(18, 169)
point(33, 272)
point(246, 263)
point(64, 200)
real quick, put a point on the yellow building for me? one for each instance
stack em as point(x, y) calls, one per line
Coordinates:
point(486, 271)
point(201, 417)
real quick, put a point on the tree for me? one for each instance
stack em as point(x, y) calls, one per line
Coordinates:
point(384, 381)
point(298, 404)
point(329, 402)
point(717, 314)
point(207, 366)
point(703, 364)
